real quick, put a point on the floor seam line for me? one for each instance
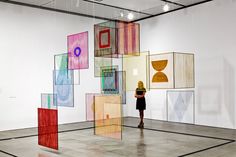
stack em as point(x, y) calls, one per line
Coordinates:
point(8, 153)
point(202, 150)
point(186, 134)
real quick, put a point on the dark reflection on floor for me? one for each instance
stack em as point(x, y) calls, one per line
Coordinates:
point(141, 146)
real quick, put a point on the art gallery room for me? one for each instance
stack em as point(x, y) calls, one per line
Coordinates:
point(117, 78)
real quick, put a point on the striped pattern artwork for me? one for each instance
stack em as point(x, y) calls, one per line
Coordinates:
point(128, 38)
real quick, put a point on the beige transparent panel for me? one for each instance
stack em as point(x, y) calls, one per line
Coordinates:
point(184, 70)
point(137, 69)
point(108, 116)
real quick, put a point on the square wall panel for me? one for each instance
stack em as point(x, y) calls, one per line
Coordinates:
point(137, 69)
point(180, 106)
point(184, 70)
point(48, 128)
point(78, 51)
point(108, 116)
point(105, 39)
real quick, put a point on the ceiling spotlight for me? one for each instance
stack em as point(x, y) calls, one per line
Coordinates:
point(130, 16)
point(121, 14)
point(166, 8)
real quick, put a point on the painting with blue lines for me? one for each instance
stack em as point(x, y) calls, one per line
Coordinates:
point(63, 87)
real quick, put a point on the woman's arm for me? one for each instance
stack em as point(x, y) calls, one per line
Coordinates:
point(142, 96)
point(136, 95)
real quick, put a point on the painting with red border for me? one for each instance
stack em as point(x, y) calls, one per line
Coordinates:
point(105, 39)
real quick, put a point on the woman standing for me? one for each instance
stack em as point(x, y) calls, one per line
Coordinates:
point(140, 103)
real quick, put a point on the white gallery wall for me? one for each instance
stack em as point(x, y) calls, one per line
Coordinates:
point(208, 31)
point(29, 39)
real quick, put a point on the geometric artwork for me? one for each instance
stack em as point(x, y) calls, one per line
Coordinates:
point(161, 71)
point(159, 66)
point(105, 39)
point(137, 69)
point(109, 80)
point(101, 62)
point(78, 51)
point(61, 61)
point(48, 101)
point(180, 106)
point(171, 70)
point(48, 128)
point(113, 82)
point(128, 38)
point(108, 117)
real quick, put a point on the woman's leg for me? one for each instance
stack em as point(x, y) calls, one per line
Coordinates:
point(141, 116)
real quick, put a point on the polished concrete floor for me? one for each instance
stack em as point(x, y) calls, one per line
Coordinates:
point(157, 139)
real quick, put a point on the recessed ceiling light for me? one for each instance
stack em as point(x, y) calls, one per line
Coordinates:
point(121, 14)
point(130, 16)
point(166, 8)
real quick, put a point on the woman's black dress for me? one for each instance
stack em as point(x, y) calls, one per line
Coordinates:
point(141, 102)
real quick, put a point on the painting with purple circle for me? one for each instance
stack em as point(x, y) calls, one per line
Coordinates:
point(77, 51)
point(77, 45)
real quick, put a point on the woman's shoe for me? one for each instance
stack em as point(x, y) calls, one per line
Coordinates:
point(142, 125)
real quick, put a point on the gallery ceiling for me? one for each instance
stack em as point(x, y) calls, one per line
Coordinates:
point(110, 9)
